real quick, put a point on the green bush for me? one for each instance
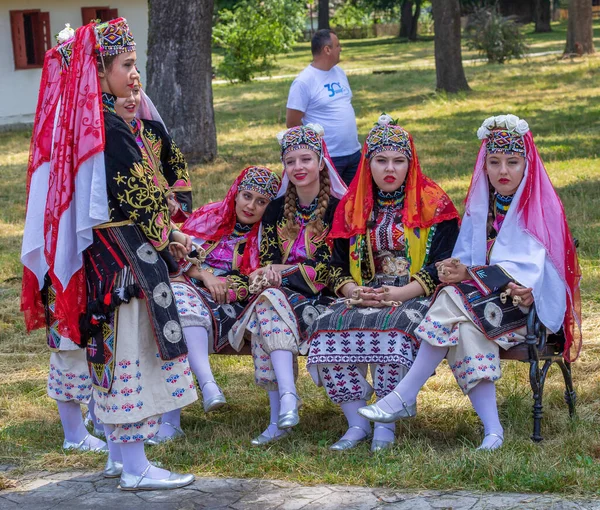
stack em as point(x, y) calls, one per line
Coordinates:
point(254, 33)
point(494, 36)
point(351, 16)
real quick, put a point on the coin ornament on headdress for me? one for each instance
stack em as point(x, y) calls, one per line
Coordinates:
point(387, 135)
point(504, 134)
point(114, 37)
point(302, 137)
point(65, 34)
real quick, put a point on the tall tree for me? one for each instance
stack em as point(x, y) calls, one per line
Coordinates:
point(580, 36)
point(542, 13)
point(180, 73)
point(410, 10)
point(448, 54)
point(323, 14)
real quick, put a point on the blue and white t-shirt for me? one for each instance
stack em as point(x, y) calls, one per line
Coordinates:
point(325, 98)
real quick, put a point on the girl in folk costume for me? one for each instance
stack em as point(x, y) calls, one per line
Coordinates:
point(294, 256)
point(389, 230)
point(106, 233)
point(212, 292)
point(514, 249)
point(163, 154)
point(69, 381)
point(170, 174)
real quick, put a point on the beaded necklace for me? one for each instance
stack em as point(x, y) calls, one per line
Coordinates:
point(108, 102)
point(394, 199)
point(240, 230)
point(305, 214)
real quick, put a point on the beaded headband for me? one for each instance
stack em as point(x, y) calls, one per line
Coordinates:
point(114, 37)
point(504, 134)
point(388, 137)
point(65, 39)
point(262, 180)
point(302, 137)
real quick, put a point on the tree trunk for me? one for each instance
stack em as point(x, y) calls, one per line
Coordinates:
point(323, 14)
point(406, 18)
point(180, 73)
point(579, 29)
point(542, 12)
point(448, 55)
point(415, 22)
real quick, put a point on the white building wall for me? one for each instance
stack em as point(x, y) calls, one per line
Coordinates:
point(19, 88)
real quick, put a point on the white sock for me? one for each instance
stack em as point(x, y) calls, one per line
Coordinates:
point(483, 399)
point(427, 360)
point(197, 342)
point(283, 366)
point(355, 420)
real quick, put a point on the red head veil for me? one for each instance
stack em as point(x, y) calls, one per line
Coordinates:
point(214, 221)
point(425, 203)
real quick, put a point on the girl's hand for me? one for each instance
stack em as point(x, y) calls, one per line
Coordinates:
point(216, 286)
point(525, 293)
point(172, 204)
point(451, 271)
point(183, 239)
point(371, 297)
point(177, 250)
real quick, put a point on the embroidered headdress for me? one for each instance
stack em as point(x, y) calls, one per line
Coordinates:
point(310, 137)
point(114, 37)
point(504, 134)
point(262, 180)
point(214, 221)
point(387, 137)
point(534, 245)
point(302, 137)
point(425, 203)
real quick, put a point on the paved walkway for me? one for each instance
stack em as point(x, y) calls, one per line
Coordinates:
point(82, 490)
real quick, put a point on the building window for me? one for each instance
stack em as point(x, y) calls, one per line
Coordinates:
point(102, 13)
point(30, 37)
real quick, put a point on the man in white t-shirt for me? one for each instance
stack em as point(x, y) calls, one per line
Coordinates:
point(321, 94)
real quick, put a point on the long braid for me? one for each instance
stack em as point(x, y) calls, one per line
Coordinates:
point(291, 227)
point(317, 225)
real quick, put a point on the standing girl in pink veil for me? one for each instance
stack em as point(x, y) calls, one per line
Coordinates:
point(514, 249)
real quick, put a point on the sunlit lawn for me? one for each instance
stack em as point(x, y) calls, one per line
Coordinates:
point(561, 102)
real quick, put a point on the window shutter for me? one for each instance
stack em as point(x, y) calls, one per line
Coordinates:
point(18, 39)
point(45, 18)
point(112, 14)
point(41, 36)
point(88, 14)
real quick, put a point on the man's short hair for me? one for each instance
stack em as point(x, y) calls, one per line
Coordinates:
point(321, 39)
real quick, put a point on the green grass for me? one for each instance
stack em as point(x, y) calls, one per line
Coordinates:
point(435, 451)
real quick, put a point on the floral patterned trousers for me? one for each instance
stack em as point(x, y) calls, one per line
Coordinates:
point(347, 382)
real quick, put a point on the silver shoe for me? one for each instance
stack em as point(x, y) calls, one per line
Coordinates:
point(380, 444)
point(348, 444)
point(264, 439)
point(142, 483)
point(375, 413)
point(213, 403)
point(82, 447)
point(291, 418)
point(158, 439)
point(494, 445)
point(112, 469)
